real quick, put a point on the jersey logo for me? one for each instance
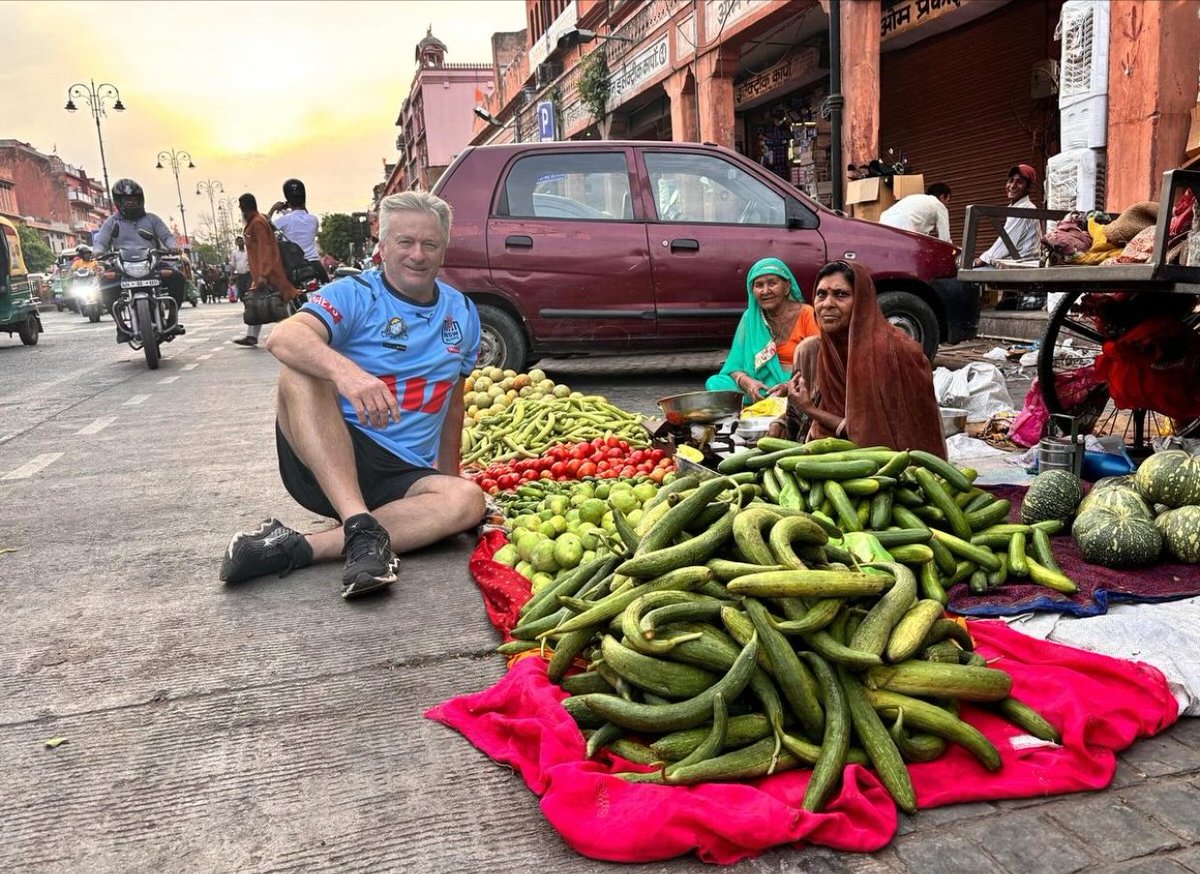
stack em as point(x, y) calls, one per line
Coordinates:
point(395, 330)
point(451, 332)
point(324, 304)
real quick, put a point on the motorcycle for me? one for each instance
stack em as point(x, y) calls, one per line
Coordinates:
point(145, 313)
point(85, 289)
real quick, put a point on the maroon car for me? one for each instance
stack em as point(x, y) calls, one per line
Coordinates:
point(594, 247)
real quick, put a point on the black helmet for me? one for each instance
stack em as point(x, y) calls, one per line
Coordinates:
point(83, 249)
point(130, 199)
point(293, 193)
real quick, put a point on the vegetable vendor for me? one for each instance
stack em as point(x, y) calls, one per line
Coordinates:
point(860, 378)
point(775, 322)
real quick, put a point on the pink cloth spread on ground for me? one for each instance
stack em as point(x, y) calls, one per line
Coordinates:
point(1100, 705)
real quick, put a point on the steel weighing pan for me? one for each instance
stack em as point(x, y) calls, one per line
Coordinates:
point(701, 406)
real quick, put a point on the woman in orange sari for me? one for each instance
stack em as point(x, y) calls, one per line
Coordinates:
point(861, 378)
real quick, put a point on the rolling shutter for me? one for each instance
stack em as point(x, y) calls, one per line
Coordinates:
point(958, 104)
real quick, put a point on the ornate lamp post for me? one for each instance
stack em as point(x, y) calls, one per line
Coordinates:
point(95, 95)
point(175, 158)
point(210, 187)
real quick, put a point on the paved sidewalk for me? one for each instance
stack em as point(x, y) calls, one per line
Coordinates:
point(271, 726)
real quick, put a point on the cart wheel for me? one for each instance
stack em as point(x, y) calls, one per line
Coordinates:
point(1072, 341)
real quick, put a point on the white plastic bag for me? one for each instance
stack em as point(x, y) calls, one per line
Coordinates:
point(978, 388)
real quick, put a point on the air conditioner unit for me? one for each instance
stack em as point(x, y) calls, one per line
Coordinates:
point(1076, 180)
point(1083, 70)
point(547, 72)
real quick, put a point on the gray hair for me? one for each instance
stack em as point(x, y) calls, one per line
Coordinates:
point(415, 201)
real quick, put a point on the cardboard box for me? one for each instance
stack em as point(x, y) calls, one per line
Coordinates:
point(1193, 141)
point(868, 198)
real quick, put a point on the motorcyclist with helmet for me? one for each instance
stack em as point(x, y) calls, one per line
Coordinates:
point(120, 231)
point(298, 224)
point(84, 259)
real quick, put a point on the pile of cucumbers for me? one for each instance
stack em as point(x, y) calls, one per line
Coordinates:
point(942, 525)
point(729, 638)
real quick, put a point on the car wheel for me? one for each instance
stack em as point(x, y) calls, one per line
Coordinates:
point(502, 342)
point(912, 316)
point(28, 330)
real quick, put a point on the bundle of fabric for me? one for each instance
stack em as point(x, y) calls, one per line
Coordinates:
point(1101, 249)
point(1099, 704)
point(1154, 366)
point(1069, 238)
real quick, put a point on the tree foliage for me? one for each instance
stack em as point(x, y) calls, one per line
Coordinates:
point(38, 257)
point(207, 253)
point(336, 235)
point(595, 84)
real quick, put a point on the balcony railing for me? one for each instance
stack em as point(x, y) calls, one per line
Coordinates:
point(641, 25)
point(80, 197)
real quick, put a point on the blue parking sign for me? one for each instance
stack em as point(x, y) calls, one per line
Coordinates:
point(545, 116)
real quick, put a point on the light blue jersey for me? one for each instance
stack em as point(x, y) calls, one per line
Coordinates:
point(419, 351)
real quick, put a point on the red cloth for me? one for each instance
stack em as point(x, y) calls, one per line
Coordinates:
point(503, 589)
point(1100, 704)
point(1156, 366)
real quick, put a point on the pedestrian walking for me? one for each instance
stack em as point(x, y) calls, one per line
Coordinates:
point(266, 265)
point(239, 268)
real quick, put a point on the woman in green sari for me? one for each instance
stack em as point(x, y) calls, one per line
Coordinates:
point(775, 321)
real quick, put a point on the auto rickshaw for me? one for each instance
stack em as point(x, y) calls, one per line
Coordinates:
point(18, 306)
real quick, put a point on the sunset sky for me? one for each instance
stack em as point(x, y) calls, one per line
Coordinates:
point(255, 91)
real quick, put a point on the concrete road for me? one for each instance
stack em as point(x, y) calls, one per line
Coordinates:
point(274, 727)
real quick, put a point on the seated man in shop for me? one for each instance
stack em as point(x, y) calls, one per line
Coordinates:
point(370, 410)
point(1025, 233)
point(922, 213)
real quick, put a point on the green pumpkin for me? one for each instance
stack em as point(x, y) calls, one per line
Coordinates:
point(1171, 478)
point(1117, 536)
point(1116, 496)
point(1124, 481)
point(1181, 533)
point(1054, 494)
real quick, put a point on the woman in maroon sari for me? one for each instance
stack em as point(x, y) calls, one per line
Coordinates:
point(861, 378)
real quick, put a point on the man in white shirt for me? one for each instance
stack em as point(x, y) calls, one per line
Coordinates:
point(922, 213)
point(298, 224)
point(239, 266)
point(1025, 233)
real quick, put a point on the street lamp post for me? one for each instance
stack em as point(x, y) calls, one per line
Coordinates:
point(209, 187)
point(175, 158)
point(95, 95)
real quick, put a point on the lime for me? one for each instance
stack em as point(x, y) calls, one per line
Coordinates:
point(592, 510)
point(568, 551)
point(507, 555)
point(527, 543)
point(644, 491)
point(624, 500)
point(542, 556)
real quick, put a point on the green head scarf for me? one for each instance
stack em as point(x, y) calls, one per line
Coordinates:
point(753, 334)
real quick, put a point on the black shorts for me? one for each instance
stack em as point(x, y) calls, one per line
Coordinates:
point(382, 477)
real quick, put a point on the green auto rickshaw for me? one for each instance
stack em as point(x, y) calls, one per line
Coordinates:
point(18, 306)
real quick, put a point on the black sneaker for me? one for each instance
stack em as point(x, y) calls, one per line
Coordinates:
point(246, 341)
point(272, 548)
point(370, 562)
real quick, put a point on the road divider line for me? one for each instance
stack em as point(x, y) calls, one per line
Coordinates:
point(218, 348)
point(191, 366)
point(167, 380)
point(135, 400)
point(204, 357)
point(27, 470)
point(96, 427)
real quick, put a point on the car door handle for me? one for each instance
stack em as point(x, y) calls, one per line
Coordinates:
point(520, 241)
point(685, 245)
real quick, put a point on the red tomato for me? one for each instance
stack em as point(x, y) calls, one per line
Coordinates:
point(558, 468)
point(545, 474)
point(573, 467)
point(506, 480)
point(628, 472)
point(587, 468)
point(609, 474)
point(614, 452)
point(529, 474)
point(657, 475)
point(487, 483)
point(612, 441)
point(579, 450)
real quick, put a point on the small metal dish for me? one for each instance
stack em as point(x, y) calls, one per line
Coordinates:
point(701, 406)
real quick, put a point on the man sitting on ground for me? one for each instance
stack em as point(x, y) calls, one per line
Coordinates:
point(370, 410)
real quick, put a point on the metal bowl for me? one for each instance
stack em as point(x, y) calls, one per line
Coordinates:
point(954, 421)
point(701, 406)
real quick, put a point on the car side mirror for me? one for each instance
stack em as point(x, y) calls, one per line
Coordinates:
point(146, 235)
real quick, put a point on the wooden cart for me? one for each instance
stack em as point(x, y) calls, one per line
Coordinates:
point(1073, 338)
